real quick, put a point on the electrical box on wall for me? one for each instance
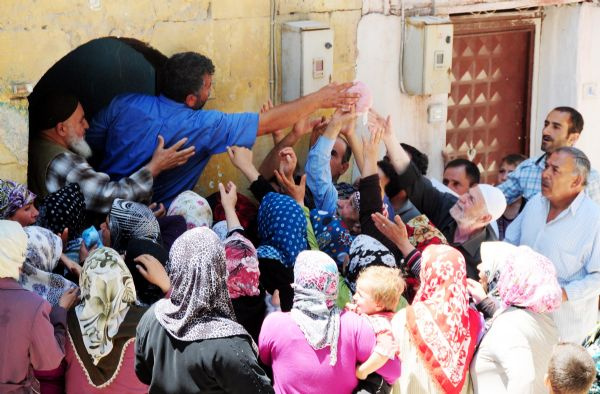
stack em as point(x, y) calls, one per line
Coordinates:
point(306, 58)
point(427, 58)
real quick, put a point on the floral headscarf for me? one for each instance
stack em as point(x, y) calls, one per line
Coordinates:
point(13, 196)
point(107, 291)
point(242, 266)
point(199, 306)
point(13, 247)
point(528, 280)
point(128, 220)
point(439, 321)
point(315, 291)
point(333, 238)
point(494, 255)
point(43, 252)
point(366, 251)
point(194, 208)
point(282, 229)
point(422, 233)
point(65, 208)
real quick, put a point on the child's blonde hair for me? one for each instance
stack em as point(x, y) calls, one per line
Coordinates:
point(386, 287)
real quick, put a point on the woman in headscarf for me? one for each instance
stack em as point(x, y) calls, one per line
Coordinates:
point(65, 209)
point(194, 208)
point(100, 351)
point(190, 342)
point(16, 203)
point(127, 220)
point(315, 347)
point(513, 355)
point(438, 333)
point(32, 334)
point(282, 230)
point(44, 251)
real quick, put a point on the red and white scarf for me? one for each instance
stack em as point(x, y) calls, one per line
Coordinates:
point(440, 322)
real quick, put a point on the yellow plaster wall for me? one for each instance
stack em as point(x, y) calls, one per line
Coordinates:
point(233, 33)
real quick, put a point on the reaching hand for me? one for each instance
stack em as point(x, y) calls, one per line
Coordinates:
point(371, 152)
point(228, 195)
point(69, 298)
point(306, 125)
point(153, 271)
point(240, 157)
point(335, 95)
point(160, 212)
point(338, 120)
point(165, 159)
point(476, 290)
point(288, 185)
point(277, 134)
point(377, 122)
point(396, 232)
point(287, 162)
point(349, 128)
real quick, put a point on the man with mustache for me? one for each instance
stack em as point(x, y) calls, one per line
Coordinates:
point(563, 224)
point(562, 127)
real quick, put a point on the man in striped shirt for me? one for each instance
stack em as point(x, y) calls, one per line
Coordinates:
point(563, 224)
point(562, 127)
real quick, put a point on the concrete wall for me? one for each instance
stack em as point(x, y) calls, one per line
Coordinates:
point(234, 33)
point(569, 64)
point(378, 66)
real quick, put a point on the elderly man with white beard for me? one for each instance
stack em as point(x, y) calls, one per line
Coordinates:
point(58, 155)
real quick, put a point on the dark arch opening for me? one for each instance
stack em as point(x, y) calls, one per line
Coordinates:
point(98, 71)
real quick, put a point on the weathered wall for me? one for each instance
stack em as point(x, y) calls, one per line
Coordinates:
point(234, 33)
point(378, 65)
point(569, 63)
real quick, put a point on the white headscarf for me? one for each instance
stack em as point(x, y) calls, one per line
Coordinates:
point(13, 245)
point(194, 208)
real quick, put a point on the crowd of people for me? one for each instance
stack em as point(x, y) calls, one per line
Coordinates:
point(115, 276)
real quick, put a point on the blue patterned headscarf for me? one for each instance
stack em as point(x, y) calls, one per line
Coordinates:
point(332, 236)
point(281, 228)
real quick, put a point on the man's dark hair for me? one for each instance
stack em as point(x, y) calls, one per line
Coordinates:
point(571, 369)
point(514, 159)
point(576, 120)
point(416, 156)
point(183, 75)
point(393, 187)
point(470, 168)
point(347, 153)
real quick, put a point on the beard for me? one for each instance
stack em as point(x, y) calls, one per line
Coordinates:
point(462, 218)
point(80, 146)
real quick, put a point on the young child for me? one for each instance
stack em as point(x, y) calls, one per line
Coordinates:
point(378, 291)
point(571, 370)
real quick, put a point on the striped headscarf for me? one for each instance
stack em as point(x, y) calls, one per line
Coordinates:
point(128, 220)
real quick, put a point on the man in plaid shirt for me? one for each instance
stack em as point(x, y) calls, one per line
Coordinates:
point(562, 127)
point(58, 155)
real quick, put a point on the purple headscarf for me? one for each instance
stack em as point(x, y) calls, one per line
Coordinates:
point(13, 196)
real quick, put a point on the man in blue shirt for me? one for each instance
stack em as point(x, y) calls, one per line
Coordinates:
point(126, 132)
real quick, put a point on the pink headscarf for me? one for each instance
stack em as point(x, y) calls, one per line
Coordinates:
point(528, 280)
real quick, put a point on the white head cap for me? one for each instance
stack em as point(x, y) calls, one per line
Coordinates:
point(495, 201)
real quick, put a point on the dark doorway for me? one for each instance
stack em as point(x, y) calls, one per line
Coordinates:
point(490, 99)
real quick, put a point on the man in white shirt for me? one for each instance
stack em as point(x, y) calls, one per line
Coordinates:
point(563, 224)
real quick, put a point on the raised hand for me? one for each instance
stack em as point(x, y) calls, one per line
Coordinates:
point(335, 95)
point(395, 231)
point(288, 185)
point(165, 159)
point(153, 271)
point(240, 156)
point(228, 195)
point(287, 162)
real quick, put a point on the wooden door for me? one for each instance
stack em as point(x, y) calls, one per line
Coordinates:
point(490, 98)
